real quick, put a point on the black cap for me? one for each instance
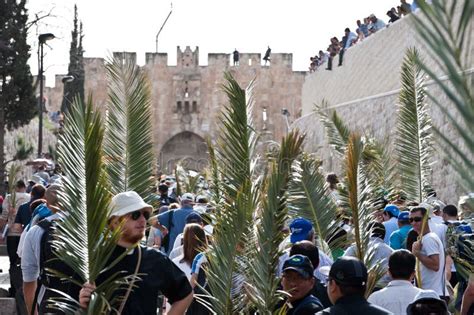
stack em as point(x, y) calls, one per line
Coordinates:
point(348, 270)
point(301, 264)
point(193, 217)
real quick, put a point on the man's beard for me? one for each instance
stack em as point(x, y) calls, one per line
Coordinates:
point(130, 237)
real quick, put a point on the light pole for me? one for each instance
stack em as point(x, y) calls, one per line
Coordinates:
point(42, 40)
point(166, 20)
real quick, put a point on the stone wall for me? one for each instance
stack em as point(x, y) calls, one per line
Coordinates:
point(188, 98)
point(364, 92)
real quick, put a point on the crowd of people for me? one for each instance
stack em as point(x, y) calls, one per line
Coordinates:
point(174, 251)
point(365, 28)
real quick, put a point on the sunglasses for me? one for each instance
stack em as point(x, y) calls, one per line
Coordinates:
point(135, 215)
point(416, 219)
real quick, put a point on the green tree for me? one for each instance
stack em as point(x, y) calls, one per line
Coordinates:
point(75, 88)
point(17, 99)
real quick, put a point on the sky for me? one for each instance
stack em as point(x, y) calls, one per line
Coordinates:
point(301, 27)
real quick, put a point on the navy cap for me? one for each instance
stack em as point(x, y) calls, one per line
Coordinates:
point(348, 270)
point(193, 217)
point(300, 228)
point(299, 263)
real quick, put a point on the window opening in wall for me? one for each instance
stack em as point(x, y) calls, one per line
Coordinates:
point(194, 106)
point(178, 106)
point(186, 107)
point(250, 62)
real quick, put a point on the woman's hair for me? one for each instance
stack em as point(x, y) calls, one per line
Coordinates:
point(332, 180)
point(174, 205)
point(194, 240)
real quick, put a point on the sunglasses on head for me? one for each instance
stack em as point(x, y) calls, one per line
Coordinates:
point(416, 219)
point(135, 215)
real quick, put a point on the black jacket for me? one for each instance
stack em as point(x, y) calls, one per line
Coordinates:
point(354, 305)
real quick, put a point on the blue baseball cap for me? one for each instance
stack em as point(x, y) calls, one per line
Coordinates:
point(300, 228)
point(193, 217)
point(393, 209)
point(404, 216)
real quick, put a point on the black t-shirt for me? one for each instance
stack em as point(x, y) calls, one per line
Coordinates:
point(23, 215)
point(158, 275)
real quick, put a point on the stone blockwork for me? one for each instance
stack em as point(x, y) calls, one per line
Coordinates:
point(364, 92)
point(188, 98)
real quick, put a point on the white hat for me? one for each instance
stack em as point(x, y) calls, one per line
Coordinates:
point(127, 202)
point(425, 295)
point(188, 197)
point(36, 179)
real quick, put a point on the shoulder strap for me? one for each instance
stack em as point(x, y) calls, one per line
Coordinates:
point(46, 226)
point(307, 300)
point(170, 220)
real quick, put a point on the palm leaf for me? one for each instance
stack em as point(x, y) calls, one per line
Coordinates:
point(359, 199)
point(446, 28)
point(236, 159)
point(309, 198)
point(82, 238)
point(271, 220)
point(336, 130)
point(216, 192)
point(128, 142)
point(414, 140)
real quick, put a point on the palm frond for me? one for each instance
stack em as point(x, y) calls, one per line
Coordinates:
point(270, 222)
point(414, 139)
point(446, 28)
point(128, 142)
point(336, 130)
point(309, 198)
point(82, 238)
point(215, 187)
point(236, 158)
point(359, 199)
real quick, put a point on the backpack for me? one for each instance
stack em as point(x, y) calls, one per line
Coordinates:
point(48, 260)
point(165, 242)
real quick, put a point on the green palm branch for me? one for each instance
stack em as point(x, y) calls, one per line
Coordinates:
point(270, 221)
point(337, 131)
point(215, 187)
point(82, 238)
point(309, 198)
point(13, 172)
point(186, 180)
point(414, 139)
point(446, 29)
point(358, 198)
point(235, 151)
point(128, 141)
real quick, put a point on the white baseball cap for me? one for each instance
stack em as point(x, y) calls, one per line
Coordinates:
point(127, 202)
point(188, 197)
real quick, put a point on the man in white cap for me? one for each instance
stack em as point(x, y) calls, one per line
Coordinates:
point(156, 271)
point(175, 220)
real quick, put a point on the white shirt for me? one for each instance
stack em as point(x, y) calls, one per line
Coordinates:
point(390, 227)
point(430, 279)
point(183, 266)
point(395, 297)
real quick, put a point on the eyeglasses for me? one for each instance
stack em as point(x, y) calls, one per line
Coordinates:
point(416, 219)
point(135, 215)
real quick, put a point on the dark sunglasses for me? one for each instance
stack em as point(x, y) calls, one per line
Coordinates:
point(135, 215)
point(416, 219)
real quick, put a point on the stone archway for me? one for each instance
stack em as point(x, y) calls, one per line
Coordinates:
point(186, 147)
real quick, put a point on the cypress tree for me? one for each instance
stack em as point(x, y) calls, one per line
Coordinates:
point(18, 104)
point(75, 88)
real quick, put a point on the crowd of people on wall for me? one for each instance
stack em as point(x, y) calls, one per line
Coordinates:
point(365, 28)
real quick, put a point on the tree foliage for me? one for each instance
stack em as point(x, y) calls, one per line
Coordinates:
point(75, 88)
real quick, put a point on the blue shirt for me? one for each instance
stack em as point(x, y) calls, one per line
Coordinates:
point(179, 218)
point(23, 215)
point(398, 239)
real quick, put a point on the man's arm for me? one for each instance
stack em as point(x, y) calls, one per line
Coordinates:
point(430, 262)
point(180, 307)
point(468, 297)
point(29, 290)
